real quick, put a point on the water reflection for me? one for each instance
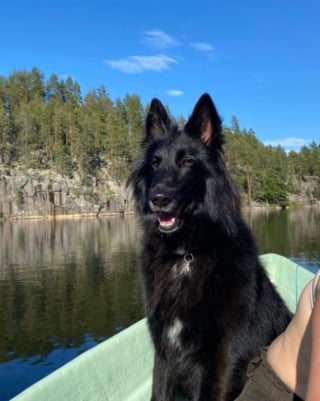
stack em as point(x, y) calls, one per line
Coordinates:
point(66, 285)
point(292, 233)
point(63, 288)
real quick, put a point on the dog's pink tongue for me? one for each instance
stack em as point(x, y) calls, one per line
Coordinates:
point(167, 219)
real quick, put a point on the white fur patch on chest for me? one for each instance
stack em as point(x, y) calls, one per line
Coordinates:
point(174, 332)
point(180, 269)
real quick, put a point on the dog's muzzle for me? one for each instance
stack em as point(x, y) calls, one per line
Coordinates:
point(168, 217)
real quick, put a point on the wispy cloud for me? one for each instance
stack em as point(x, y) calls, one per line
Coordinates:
point(290, 143)
point(139, 64)
point(175, 92)
point(203, 47)
point(159, 39)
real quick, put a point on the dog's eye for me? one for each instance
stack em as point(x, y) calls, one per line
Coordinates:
point(155, 163)
point(187, 162)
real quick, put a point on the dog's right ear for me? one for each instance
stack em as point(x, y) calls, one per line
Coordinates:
point(205, 122)
point(158, 122)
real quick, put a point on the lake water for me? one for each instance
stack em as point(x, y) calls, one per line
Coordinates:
point(68, 285)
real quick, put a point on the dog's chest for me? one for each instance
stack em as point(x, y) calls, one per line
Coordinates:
point(173, 333)
point(175, 286)
point(183, 267)
point(176, 301)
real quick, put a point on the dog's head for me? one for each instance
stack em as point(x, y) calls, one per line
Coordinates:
point(179, 173)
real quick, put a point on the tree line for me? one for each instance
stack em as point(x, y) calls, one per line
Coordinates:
point(48, 124)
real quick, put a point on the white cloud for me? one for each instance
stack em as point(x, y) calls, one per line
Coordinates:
point(159, 39)
point(138, 64)
point(175, 92)
point(207, 49)
point(203, 46)
point(290, 143)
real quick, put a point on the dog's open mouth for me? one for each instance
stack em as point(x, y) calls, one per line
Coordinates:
point(168, 222)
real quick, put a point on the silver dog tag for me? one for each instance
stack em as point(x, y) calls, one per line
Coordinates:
point(187, 260)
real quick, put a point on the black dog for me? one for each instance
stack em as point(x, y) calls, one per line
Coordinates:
point(209, 304)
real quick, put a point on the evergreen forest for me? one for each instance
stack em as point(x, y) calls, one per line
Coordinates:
point(49, 124)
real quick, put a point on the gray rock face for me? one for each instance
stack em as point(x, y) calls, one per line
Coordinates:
point(33, 193)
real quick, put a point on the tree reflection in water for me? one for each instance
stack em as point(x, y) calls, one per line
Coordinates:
point(69, 284)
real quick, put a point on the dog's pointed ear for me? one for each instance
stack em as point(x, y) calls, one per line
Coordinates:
point(205, 122)
point(158, 121)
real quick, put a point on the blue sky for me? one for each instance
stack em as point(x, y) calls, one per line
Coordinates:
point(259, 60)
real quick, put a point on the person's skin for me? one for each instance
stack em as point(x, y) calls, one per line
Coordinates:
point(295, 354)
point(313, 391)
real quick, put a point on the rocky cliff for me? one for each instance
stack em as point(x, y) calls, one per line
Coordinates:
point(306, 190)
point(27, 193)
point(32, 193)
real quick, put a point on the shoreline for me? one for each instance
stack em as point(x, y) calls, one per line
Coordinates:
point(67, 216)
point(128, 213)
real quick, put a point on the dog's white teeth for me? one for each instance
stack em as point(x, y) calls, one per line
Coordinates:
point(167, 220)
point(167, 223)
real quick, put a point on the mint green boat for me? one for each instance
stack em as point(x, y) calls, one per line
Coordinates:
point(120, 369)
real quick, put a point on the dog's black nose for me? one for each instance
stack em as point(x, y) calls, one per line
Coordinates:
point(160, 200)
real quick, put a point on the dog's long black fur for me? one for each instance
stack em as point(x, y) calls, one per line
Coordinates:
point(209, 304)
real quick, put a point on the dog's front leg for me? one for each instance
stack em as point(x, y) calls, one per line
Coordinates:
point(203, 384)
point(163, 387)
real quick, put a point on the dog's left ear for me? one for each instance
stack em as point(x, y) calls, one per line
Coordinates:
point(158, 121)
point(205, 122)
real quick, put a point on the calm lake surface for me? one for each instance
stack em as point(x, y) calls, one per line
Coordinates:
point(68, 285)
